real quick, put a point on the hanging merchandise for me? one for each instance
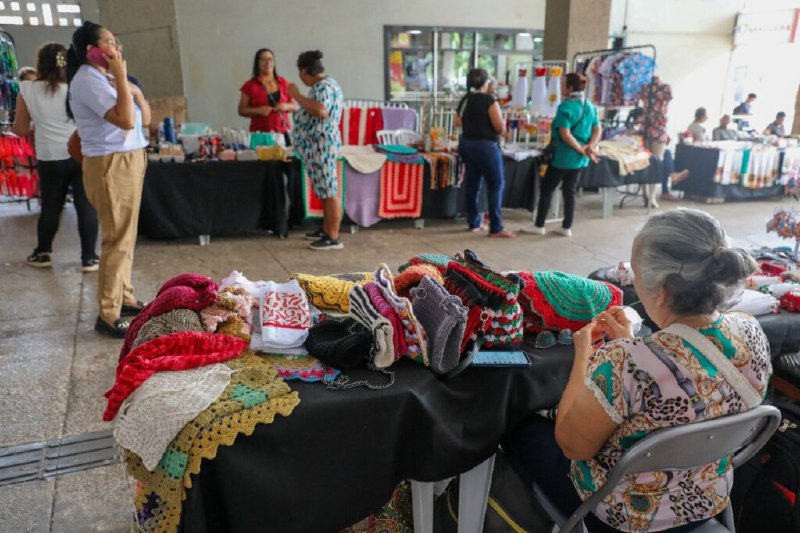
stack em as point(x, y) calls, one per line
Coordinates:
point(539, 104)
point(616, 76)
point(9, 86)
point(554, 91)
point(519, 96)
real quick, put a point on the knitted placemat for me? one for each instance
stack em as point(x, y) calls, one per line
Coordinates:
point(255, 395)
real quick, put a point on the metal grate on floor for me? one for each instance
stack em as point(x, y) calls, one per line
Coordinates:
point(42, 460)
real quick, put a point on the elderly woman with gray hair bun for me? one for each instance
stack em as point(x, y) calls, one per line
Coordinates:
point(686, 275)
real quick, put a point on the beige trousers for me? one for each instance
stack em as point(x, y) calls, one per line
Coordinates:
point(113, 185)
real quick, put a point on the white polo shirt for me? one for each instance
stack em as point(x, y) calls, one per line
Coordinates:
point(91, 95)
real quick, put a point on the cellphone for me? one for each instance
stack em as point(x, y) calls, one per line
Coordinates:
point(508, 359)
point(97, 56)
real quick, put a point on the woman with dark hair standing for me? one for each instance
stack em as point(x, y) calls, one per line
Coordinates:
point(478, 114)
point(43, 102)
point(265, 98)
point(109, 113)
point(317, 140)
point(575, 132)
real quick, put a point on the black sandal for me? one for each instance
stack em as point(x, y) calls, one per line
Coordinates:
point(118, 329)
point(132, 310)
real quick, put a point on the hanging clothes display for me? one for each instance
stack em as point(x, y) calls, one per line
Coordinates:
point(9, 86)
point(19, 179)
point(616, 77)
point(655, 98)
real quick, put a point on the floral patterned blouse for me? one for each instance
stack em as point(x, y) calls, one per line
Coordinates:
point(656, 98)
point(660, 381)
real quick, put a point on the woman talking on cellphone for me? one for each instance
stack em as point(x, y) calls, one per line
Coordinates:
point(109, 113)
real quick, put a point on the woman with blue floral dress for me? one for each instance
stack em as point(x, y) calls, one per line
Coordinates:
point(317, 140)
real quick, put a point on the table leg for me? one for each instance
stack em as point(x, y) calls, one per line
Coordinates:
point(419, 223)
point(354, 229)
point(422, 502)
point(205, 240)
point(608, 201)
point(472, 496)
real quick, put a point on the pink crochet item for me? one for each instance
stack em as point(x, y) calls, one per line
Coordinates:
point(387, 311)
point(184, 291)
point(231, 303)
point(177, 351)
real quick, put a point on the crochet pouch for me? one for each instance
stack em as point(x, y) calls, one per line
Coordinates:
point(505, 325)
point(285, 316)
point(480, 297)
point(331, 293)
point(557, 300)
point(791, 301)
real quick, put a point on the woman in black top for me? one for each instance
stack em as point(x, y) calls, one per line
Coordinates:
point(478, 115)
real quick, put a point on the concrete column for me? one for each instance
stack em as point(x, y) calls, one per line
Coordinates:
point(573, 26)
point(148, 30)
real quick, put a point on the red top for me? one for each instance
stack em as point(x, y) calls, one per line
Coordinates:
point(258, 97)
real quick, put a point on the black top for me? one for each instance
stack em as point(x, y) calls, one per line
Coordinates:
point(274, 98)
point(475, 121)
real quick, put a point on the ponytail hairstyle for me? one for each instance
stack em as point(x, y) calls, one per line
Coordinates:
point(476, 78)
point(311, 62)
point(88, 34)
point(576, 82)
point(51, 66)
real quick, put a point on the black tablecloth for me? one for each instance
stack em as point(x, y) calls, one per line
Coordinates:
point(605, 173)
point(521, 191)
point(219, 198)
point(337, 458)
point(702, 165)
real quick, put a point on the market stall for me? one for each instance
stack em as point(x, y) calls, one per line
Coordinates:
point(731, 170)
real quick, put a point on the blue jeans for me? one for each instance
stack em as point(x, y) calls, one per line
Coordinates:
point(483, 159)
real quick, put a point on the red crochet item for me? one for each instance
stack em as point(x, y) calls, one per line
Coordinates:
point(791, 301)
point(387, 311)
point(184, 291)
point(177, 351)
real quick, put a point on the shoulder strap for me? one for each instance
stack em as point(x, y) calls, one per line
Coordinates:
point(723, 365)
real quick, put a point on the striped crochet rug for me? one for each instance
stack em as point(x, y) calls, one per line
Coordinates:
point(312, 203)
point(401, 190)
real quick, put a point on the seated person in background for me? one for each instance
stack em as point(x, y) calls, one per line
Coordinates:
point(722, 133)
point(696, 128)
point(776, 126)
point(745, 107)
point(617, 394)
point(27, 74)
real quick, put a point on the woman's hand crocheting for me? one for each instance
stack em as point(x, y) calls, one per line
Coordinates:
point(584, 340)
point(615, 323)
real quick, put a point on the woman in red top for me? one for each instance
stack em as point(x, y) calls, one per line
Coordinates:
point(265, 98)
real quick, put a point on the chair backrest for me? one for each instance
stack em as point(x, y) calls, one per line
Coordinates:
point(405, 137)
point(689, 446)
point(385, 137)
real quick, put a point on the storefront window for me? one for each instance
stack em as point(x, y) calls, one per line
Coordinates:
point(415, 56)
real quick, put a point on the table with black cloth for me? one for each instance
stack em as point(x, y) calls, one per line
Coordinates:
point(521, 190)
point(219, 198)
point(338, 456)
point(701, 162)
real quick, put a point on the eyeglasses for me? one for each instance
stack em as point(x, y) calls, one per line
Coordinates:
point(547, 339)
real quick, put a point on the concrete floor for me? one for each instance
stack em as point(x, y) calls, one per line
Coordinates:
point(54, 368)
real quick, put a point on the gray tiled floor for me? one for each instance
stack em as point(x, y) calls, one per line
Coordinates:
point(54, 368)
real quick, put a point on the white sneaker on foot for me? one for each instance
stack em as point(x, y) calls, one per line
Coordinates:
point(566, 232)
point(534, 230)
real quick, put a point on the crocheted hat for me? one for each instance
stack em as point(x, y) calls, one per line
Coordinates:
point(557, 300)
point(378, 301)
point(444, 319)
point(415, 337)
point(330, 293)
point(440, 261)
point(340, 344)
point(170, 322)
point(411, 276)
point(363, 312)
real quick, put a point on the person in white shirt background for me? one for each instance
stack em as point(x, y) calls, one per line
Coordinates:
point(109, 114)
point(697, 128)
point(43, 102)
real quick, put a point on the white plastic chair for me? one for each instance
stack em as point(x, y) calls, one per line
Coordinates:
point(385, 137)
point(684, 447)
point(404, 137)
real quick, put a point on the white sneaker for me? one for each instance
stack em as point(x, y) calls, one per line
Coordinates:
point(566, 232)
point(534, 230)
